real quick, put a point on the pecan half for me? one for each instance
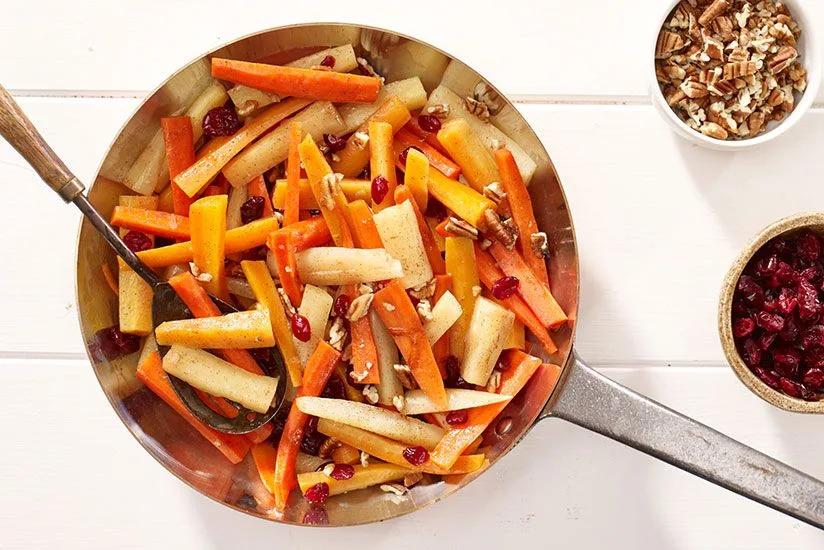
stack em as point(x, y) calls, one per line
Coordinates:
point(477, 108)
point(717, 8)
point(330, 187)
point(359, 306)
point(404, 374)
point(498, 230)
point(460, 228)
point(783, 59)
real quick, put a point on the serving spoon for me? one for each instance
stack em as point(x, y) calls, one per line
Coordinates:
point(21, 134)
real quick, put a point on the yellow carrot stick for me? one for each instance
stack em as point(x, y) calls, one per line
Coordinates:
point(207, 224)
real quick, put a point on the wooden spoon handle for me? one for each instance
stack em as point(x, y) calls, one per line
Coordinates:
point(18, 130)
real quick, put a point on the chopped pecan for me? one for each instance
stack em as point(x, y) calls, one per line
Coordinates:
point(717, 8)
point(713, 130)
point(370, 392)
point(337, 334)
point(782, 59)
point(399, 402)
point(424, 309)
point(359, 306)
point(477, 108)
point(404, 374)
point(459, 228)
point(439, 110)
point(538, 244)
point(694, 89)
point(723, 27)
point(423, 291)
point(412, 478)
point(326, 448)
point(330, 187)
point(737, 70)
point(668, 42)
point(360, 139)
point(499, 231)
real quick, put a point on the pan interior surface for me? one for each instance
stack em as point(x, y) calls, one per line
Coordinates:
point(161, 431)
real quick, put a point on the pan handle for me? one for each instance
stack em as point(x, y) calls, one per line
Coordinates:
point(597, 403)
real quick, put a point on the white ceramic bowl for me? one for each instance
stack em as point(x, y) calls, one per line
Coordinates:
point(809, 48)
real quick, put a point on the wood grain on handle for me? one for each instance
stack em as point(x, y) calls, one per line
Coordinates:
point(18, 130)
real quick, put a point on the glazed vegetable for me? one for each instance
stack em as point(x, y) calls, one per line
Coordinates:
point(382, 164)
point(318, 369)
point(433, 254)
point(389, 387)
point(353, 189)
point(402, 321)
point(475, 160)
point(363, 477)
point(326, 191)
point(134, 294)
point(179, 141)
point(293, 81)
point(464, 201)
point(456, 399)
point(267, 295)
point(282, 245)
point(345, 266)
point(446, 312)
point(460, 263)
point(151, 222)
point(291, 199)
point(207, 223)
point(242, 329)
point(406, 143)
point(212, 374)
point(315, 308)
point(410, 93)
point(486, 335)
point(398, 229)
point(381, 421)
point(416, 178)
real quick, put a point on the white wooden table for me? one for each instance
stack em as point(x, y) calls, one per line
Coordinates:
point(658, 222)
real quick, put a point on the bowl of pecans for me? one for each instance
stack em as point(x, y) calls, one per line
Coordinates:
point(732, 74)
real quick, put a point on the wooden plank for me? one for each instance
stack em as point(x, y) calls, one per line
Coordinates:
point(528, 48)
point(67, 486)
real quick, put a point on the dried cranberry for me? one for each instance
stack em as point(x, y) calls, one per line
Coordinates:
point(814, 379)
point(110, 343)
point(808, 304)
point(769, 378)
point(786, 301)
point(342, 471)
point(750, 290)
point(137, 241)
point(312, 438)
point(333, 142)
point(328, 61)
point(316, 515)
point(341, 305)
point(457, 418)
point(252, 209)
point(786, 361)
point(790, 331)
point(435, 209)
point(797, 389)
point(812, 274)
point(405, 153)
point(503, 364)
point(743, 327)
point(808, 246)
point(769, 321)
point(783, 275)
point(429, 123)
point(814, 358)
point(416, 455)
point(766, 266)
point(221, 121)
point(301, 328)
point(770, 305)
point(740, 309)
point(380, 187)
point(751, 353)
point(766, 339)
point(318, 493)
point(812, 336)
point(505, 287)
point(334, 389)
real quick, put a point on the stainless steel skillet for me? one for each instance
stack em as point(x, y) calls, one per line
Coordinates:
point(583, 396)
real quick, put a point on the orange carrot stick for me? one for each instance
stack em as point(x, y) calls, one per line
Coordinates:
point(318, 370)
point(151, 222)
point(440, 229)
point(240, 239)
point(405, 138)
point(292, 81)
point(265, 456)
point(489, 272)
point(398, 314)
point(455, 441)
point(533, 291)
point(522, 213)
point(283, 250)
point(178, 138)
point(382, 161)
point(363, 225)
point(364, 350)
point(291, 211)
point(151, 373)
point(402, 193)
point(317, 170)
point(257, 188)
point(307, 233)
point(110, 280)
point(201, 305)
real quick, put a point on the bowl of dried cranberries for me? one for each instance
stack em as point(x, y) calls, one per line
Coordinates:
point(771, 316)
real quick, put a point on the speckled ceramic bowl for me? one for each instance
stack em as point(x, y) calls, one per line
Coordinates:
point(789, 225)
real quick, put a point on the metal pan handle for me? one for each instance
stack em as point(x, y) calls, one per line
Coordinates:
point(595, 402)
